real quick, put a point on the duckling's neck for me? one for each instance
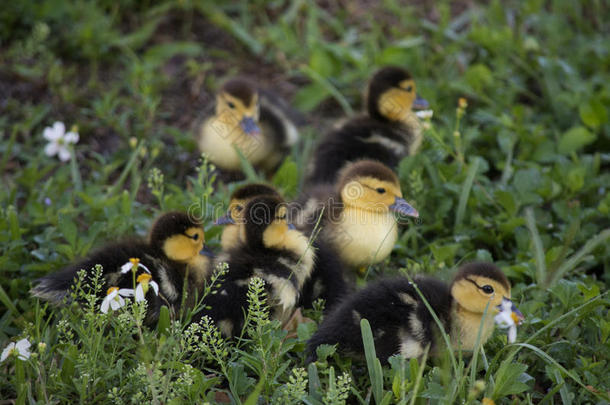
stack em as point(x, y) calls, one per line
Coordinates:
point(198, 269)
point(230, 237)
point(466, 325)
point(413, 130)
point(363, 237)
point(295, 242)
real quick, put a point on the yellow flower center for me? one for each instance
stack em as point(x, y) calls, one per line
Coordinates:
point(144, 278)
point(135, 261)
point(111, 290)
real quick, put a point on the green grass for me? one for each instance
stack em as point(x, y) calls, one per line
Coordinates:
point(519, 177)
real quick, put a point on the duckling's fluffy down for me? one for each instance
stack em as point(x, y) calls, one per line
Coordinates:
point(399, 319)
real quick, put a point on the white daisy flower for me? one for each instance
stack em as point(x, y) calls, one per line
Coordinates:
point(59, 141)
point(424, 114)
point(133, 263)
point(114, 298)
point(144, 281)
point(21, 349)
point(508, 318)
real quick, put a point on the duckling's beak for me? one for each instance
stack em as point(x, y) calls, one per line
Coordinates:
point(403, 207)
point(249, 126)
point(420, 103)
point(515, 314)
point(225, 220)
point(206, 252)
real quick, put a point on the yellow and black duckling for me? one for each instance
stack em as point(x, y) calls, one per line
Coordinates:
point(172, 252)
point(269, 248)
point(358, 219)
point(248, 120)
point(388, 131)
point(401, 323)
point(235, 213)
point(326, 279)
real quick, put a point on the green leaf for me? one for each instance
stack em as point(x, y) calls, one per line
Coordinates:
point(68, 229)
point(593, 114)
point(322, 62)
point(164, 321)
point(507, 379)
point(372, 362)
point(286, 177)
point(575, 138)
point(310, 96)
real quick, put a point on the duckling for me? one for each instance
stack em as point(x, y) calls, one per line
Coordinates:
point(358, 219)
point(401, 323)
point(326, 279)
point(171, 254)
point(388, 132)
point(248, 120)
point(235, 213)
point(269, 248)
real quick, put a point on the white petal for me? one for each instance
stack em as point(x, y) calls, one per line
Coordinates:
point(126, 292)
point(71, 137)
point(64, 154)
point(424, 114)
point(105, 304)
point(121, 301)
point(23, 348)
point(23, 345)
point(126, 267)
point(144, 267)
point(7, 351)
point(59, 128)
point(140, 293)
point(512, 334)
point(154, 286)
point(50, 134)
point(51, 149)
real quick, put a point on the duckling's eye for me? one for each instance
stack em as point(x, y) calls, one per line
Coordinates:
point(238, 208)
point(380, 190)
point(409, 89)
point(281, 217)
point(231, 105)
point(487, 289)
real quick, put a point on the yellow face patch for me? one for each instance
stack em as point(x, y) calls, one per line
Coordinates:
point(236, 209)
point(475, 293)
point(370, 194)
point(395, 103)
point(184, 247)
point(226, 104)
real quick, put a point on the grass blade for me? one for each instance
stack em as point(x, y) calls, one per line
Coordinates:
point(467, 186)
point(541, 273)
point(578, 256)
point(372, 362)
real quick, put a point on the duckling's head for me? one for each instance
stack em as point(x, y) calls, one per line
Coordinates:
point(266, 222)
point(372, 186)
point(479, 286)
point(391, 95)
point(238, 99)
point(179, 236)
point(239, 199)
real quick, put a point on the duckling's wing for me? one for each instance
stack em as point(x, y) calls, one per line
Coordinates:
point(326, 281)
point(359, 138)
point(56, 286)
